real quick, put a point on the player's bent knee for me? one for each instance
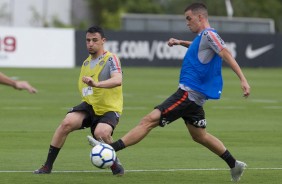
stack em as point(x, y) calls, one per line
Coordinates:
point(67, 126)
point(148, 122)
point(103, 135)
point(196, 139)
point(199, 139)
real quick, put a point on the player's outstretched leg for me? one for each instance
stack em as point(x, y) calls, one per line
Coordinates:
point(237, 171)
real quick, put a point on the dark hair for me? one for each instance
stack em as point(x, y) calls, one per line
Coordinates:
point(96, 29)
point(198, 7)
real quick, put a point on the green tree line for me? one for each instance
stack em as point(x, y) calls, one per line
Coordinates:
point(107, 13)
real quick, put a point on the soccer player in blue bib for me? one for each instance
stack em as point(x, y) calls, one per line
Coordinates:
point(200, 80)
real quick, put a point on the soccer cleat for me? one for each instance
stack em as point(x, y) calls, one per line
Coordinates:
point(237, 171)
point(93, 142)
point(43, 170)
point(117, 168)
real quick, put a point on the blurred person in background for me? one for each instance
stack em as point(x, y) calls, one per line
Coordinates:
point(19, 85)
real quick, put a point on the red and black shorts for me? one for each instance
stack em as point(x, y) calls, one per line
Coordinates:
point(177, 106)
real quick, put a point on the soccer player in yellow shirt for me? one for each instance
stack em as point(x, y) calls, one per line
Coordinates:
point(100, 86)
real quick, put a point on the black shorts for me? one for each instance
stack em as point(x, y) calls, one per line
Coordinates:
point(178, 105)
point(91, 120)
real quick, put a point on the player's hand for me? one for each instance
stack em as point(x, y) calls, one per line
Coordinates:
point(172, 41)
point(246, 88)
point(20, 85)
point(89, 81)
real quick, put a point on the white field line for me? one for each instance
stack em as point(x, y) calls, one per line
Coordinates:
point(145, 170)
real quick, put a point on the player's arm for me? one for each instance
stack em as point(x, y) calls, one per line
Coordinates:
point(229, 59)
point(172, 41)
point(114, 81)
point(6, 80)
point(16, 84)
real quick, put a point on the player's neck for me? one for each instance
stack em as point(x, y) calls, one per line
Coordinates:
point(204, 26)
point(97, 54)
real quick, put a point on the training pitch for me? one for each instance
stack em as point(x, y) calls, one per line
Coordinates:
point(250, 129)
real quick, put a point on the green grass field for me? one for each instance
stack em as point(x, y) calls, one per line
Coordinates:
point(250, 128)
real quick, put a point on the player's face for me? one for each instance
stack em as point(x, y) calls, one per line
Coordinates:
point(193, 21)
point(94, 43)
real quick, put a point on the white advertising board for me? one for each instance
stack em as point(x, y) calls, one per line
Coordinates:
point(37, 47)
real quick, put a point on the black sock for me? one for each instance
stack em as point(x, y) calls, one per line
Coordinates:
point(228, 158)
point(52, 155)
point(118, 145)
